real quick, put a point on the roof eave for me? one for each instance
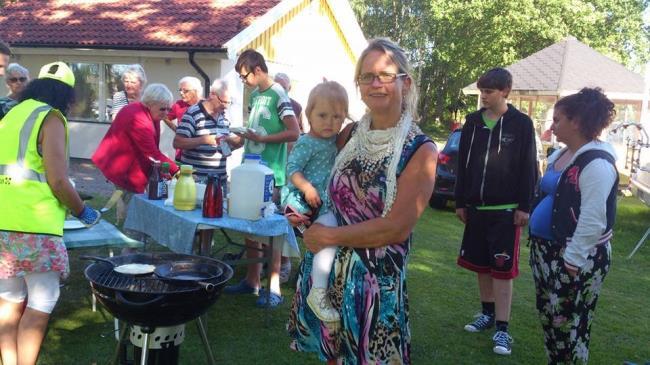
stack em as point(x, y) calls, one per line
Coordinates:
point(120, 47)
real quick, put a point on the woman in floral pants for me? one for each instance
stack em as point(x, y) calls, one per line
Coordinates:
point(571, 226)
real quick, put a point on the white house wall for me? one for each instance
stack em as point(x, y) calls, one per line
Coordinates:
point(309, 49)
point(160, 66)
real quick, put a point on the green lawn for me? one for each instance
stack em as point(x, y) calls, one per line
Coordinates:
point(443, 298)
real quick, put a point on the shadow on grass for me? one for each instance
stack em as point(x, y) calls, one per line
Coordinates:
point(442, 297)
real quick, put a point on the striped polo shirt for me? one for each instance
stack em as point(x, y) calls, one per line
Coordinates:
point(205, 158)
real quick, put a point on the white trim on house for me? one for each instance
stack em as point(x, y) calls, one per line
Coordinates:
point(341, 9)
point(350, 27)
point(258, 26)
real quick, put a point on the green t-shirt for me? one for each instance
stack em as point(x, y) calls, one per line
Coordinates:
point(489, 122)
point(267, 108)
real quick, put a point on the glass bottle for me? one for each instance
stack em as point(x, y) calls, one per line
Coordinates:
point(185, 190)
point(153, 192)
point(213, 198)
point(165, 178)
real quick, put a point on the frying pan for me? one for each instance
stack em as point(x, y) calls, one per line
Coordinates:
point(116, 268)
point(189, 272)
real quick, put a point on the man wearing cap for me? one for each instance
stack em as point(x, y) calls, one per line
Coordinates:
point(35, 194)
point(5, 52)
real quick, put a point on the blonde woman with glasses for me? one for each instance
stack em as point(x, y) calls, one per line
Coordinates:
point(380, 185)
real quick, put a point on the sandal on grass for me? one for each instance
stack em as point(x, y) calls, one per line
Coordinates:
point(274, 299)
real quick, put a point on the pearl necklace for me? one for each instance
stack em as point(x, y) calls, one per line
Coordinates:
point(372, 147)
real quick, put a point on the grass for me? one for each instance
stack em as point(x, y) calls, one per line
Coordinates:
point(442, 297)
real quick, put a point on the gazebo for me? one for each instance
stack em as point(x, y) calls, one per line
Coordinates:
point(563, 68)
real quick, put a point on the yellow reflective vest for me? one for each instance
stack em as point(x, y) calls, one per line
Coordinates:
point(26, 200)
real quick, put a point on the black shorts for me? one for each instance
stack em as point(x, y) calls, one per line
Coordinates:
point(491, 243)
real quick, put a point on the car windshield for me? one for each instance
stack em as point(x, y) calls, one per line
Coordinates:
point(454, 140)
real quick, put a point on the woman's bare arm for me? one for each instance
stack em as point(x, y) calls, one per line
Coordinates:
point(414, 189)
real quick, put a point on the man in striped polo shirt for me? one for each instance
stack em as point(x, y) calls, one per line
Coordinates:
point(204, 130)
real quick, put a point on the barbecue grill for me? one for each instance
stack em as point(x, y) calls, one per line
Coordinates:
point(152, 300)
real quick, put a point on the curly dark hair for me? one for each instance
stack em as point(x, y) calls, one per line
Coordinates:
point(590, 108)
point(49, 91)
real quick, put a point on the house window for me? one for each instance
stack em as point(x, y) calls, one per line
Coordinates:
point(94, 88)
point(86, 91)
point(113, 77)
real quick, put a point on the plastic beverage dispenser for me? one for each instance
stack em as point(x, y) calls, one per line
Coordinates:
point(185, 190)
point(251, 188)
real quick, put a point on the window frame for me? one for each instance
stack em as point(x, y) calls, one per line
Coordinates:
point(103, 96)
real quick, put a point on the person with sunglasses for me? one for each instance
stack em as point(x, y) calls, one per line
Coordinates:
point(126, 153)
point(203, 134)
point(16, 78)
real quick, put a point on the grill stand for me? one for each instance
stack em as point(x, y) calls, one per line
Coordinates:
point(120, 355)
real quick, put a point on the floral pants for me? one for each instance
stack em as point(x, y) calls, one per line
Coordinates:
point(566, 305)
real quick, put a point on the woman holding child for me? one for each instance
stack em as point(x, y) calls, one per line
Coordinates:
point(379, 186)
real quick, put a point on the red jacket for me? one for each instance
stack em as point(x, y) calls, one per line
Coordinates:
point(124, 155)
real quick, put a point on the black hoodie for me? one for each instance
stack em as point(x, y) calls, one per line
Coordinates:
point(509, 152)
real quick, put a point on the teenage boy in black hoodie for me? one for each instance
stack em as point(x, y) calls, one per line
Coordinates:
point(494, 187)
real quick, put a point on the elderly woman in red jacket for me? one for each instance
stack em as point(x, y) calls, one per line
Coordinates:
point(125, 154)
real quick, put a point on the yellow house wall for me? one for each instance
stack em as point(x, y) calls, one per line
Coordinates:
point(308, 45)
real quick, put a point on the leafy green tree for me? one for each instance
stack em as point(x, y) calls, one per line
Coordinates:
point(451, 42)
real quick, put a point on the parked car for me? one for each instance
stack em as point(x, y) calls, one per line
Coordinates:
point(443, 190)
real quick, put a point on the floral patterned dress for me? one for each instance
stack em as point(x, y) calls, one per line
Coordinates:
point(367, 286)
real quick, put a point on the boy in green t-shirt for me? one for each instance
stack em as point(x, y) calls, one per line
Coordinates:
point(272, 124)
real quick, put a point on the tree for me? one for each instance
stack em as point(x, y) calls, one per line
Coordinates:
point(451, 42)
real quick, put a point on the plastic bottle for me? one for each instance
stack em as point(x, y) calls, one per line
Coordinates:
point(185, 190)
point(153, 192)
point(213, 198)
point(165, 178)
point(251, 188)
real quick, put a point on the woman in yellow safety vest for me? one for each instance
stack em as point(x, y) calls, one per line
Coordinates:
point(35, 193)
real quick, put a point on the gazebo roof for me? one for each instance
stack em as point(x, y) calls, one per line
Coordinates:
point(566, 67)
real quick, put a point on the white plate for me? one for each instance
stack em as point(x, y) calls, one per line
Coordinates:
point(71, 224)
point(135, 269)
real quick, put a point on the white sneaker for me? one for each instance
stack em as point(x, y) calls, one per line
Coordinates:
point(320, 304)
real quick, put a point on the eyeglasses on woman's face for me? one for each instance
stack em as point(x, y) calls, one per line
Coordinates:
point(164, 108)
point(184, 91)
point(13, 80)
point(383, 77)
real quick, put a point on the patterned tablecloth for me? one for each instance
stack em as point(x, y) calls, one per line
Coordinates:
point(101, 234)
point(175, 229)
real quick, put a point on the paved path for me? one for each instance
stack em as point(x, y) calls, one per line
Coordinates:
point(88, 178)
